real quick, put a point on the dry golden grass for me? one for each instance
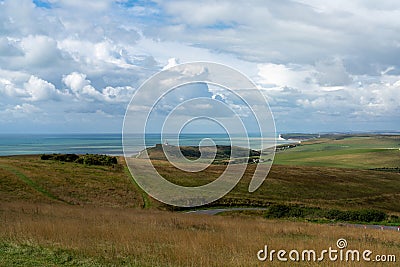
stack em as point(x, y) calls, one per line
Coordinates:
point(160, 238)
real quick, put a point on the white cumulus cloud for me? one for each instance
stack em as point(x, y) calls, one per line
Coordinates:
point(41, 90)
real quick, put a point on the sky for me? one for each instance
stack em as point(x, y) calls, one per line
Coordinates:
point(71, 66)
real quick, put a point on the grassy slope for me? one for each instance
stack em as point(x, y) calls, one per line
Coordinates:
point(324, 187)
point(53, 181)
point(310, 174)
point(109, 229)
point(222, 153)
point(334, 173)
point(318, 186)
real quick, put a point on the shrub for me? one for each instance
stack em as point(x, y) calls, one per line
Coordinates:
point(66, 157)
point(371, 216)
point(365, 215)
point(88, 159)
point(46, 157)
point(277, 211)
point(291, 211)
point(394, 219)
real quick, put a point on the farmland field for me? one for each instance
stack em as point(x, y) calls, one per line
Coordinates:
point(359, 152)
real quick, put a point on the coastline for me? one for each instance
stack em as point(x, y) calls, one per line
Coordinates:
point(107, 144)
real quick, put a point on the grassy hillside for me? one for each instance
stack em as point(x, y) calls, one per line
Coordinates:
point(29, 178)
point(69, 214)
point(221, 153)
point(32, 179)
point(316, 186)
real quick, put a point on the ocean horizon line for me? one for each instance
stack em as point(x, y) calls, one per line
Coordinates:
point(110, 144)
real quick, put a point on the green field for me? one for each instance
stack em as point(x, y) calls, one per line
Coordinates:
point(364, 152)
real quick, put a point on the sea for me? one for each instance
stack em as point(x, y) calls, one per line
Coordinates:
point(110, 144)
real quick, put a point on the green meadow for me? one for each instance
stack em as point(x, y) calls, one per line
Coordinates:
point(357, 152)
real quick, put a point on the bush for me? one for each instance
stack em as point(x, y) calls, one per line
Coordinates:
point(66, 157)
point(296, 211)
point(371, 216)
point(46, 157)
point(277, 211)
point(394, 219)
point(88, 159)
point(104, 160)
point(292, 211)
point(365, 215)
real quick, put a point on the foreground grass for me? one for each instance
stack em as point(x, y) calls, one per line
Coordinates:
point(62, 235)
point(28, 254)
